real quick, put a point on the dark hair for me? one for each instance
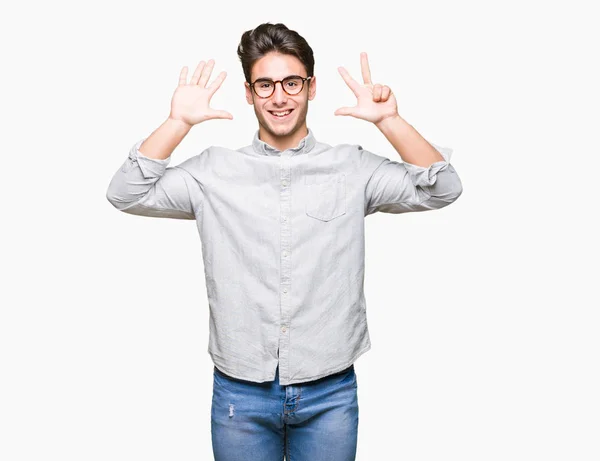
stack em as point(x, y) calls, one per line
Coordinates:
point(266, 38)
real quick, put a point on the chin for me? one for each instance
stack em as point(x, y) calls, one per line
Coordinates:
point(282, 130)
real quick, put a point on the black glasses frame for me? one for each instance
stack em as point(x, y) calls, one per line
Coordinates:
point(275, 82)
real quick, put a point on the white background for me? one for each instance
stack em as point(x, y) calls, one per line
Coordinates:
point(483, 315)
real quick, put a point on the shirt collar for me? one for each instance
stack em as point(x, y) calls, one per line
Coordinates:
point(305, 145)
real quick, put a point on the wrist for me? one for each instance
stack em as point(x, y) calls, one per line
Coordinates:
point(392, 123)
point(178, 124)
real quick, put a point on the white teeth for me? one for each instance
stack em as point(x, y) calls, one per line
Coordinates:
point(279, 114)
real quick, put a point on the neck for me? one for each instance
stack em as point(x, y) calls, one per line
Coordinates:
point(282, 143)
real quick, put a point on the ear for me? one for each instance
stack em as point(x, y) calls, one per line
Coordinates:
point(248, 93)
point(312, 88)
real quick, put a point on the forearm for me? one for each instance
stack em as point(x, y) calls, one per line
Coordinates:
point(163, 141)
point(147, 187)
point(408, 142)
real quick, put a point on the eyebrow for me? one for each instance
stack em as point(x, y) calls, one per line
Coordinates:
point(262, 79)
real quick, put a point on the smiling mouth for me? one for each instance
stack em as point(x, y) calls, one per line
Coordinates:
point(286, 114)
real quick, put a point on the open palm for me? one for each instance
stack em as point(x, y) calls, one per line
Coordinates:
point(374, 102)
point(191, 101)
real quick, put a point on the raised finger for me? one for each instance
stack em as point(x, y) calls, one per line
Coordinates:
point(183, 75)
point(353, 84)
point(364, 66)
point(214, 86)
point(197, 72)
point(205, 75)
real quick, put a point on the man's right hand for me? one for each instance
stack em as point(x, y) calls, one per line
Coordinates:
point(190, 102)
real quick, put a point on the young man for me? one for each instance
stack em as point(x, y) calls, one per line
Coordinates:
point(281, 222)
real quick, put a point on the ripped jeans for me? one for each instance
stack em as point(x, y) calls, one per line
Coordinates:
point(310, 421)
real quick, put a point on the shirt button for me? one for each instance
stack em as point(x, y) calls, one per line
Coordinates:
point(285, 254)
point(285, 218)
point(285, 290)
point(284, 182)
point(283, 328)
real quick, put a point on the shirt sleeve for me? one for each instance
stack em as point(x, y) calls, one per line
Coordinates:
point(148, 187)
point(400, 187)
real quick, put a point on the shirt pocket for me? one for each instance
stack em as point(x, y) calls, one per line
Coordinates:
point(326, 196)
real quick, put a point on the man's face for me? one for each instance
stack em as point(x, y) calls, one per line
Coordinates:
point(276, 67)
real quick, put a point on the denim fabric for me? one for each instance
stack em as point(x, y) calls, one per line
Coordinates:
point(283, 243)
point(311, 421)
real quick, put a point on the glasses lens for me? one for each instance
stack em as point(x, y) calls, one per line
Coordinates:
point(292, 85)
point(264, 88)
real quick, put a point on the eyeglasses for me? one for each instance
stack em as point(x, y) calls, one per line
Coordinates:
point(292, 85)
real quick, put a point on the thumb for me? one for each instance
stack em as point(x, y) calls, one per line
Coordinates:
point(221, 114)
point(344, 111)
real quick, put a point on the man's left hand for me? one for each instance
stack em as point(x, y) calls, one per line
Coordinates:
point(374, 102)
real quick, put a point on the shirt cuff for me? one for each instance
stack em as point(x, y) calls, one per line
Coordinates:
point(426, 176)
point(151, 167)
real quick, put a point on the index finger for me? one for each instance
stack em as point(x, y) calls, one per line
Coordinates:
point(353, 84)
point(364, 65)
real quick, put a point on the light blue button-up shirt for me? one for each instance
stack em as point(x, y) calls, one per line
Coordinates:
point(283, 243)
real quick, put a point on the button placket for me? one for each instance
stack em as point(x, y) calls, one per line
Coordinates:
point(285, 262)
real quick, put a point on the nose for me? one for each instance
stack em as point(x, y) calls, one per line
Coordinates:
point(279, 96)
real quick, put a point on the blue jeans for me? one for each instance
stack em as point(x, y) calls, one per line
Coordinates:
point(311, 421)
